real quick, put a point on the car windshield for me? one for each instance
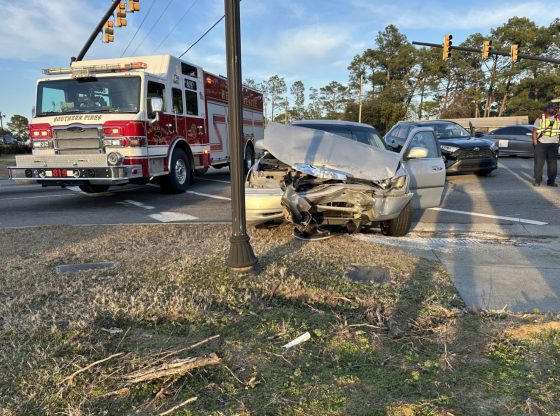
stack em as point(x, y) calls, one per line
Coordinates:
point(360, 134)
point(448, 130)
point(90, 95)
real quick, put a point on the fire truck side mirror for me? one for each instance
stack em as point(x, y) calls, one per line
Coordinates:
point(157, 106)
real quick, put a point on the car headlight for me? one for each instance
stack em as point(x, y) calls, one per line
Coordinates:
point(493, 147)
point(448, 149)
point(398, 182)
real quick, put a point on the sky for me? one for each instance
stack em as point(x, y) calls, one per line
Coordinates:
point(313, 41)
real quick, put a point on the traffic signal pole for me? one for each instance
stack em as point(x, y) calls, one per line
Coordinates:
point(96, 31)
point(241, 257)
point(491, 52)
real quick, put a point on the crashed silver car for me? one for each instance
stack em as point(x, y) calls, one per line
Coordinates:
point(318, 180)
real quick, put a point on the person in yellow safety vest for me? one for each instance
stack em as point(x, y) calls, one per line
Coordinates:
point(546, 135)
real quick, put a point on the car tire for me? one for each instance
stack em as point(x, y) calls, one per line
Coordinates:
point(89, 188)
point(248, 158)
point(179, 177)
point(399, 226)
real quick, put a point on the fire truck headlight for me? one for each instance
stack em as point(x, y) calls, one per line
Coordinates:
point(114, 158)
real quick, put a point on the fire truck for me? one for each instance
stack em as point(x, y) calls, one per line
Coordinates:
point(117, 121)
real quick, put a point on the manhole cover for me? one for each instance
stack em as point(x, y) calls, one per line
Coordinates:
point(75, 268)
point(368, 274)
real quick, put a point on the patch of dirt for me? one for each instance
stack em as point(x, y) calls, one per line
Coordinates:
point(526, 332)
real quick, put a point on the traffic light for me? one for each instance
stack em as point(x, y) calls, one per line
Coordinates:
point(108, 35)
point(447, 46)
point(121, 15)
point(514, 52)
point(486, 48)
point(133, 6)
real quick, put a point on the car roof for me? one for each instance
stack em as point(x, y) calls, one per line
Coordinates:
point(332, 122)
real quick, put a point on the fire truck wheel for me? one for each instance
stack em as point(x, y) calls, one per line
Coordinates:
point(89, 188)
point(249, 158)
point(179, 178)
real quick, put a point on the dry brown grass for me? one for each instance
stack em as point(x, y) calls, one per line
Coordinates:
point(397, 345)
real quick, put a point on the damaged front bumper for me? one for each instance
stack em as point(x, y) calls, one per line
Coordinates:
point(350, 205)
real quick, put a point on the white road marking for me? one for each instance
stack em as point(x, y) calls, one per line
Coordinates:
point(498, 217)
point(138, 204)
point(172, 217)
point(213, 180)
point(33, 197)
point(209, 196)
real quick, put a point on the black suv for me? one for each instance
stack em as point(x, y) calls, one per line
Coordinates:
point(462, 152)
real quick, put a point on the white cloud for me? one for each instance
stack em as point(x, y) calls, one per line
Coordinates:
point(32, 29)
point(471, 17)
point(299, 47)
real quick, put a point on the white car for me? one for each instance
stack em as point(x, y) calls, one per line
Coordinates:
point(316, 179)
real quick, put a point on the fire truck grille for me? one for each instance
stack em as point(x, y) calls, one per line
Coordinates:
point(77, 140)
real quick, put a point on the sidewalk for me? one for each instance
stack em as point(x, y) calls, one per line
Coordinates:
point(516, 267)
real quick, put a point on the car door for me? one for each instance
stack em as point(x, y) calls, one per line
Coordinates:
point(422, 160)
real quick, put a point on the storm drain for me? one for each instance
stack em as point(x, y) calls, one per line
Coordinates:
point(368, 274)
point(75, 268)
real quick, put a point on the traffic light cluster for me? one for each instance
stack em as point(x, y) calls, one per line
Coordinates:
point(120, 19)
point(447, 43)
point(486, 48)
point(514, 52)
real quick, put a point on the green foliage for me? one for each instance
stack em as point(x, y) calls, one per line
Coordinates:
point(14, 149)
point(19, 126)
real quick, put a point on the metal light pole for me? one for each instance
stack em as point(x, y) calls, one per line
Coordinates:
point(241, 256)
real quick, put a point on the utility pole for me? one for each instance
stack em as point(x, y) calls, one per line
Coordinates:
point(286, 111)
point(241, 257)
point(361, 95)
point(2, 126)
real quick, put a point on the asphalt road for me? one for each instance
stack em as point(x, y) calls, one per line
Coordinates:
point(506, 197)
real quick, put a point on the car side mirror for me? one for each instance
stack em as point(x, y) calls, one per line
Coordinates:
point(417, 153)
point(157, 106)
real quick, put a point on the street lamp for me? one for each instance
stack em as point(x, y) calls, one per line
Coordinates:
point(241, 257)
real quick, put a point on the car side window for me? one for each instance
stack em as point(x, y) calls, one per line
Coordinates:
point(425, 140)
point(155, 89)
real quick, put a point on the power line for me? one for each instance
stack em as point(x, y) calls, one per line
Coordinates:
point(137, 30)
point(204, 34)
point(154, 25)
point(177, 24)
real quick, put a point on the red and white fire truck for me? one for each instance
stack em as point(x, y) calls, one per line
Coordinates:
point(115, 121)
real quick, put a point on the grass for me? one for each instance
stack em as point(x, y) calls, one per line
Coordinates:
point(405, 347)
point(5, 161)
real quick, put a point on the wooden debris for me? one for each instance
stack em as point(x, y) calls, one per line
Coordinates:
point(81, 370)
point(168, 412)
point(176, 367)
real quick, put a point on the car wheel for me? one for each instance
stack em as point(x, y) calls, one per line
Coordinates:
point(179, 177)
point(399, 226)
point(248, 158)
point(89, 188)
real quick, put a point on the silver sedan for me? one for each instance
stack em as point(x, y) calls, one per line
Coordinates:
point(316, 179)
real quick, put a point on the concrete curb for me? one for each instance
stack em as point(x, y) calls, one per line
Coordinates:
point(511, 230)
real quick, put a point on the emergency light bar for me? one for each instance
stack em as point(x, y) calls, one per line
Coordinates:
point(85, 70)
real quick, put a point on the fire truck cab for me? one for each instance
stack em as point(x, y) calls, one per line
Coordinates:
point(115, 121)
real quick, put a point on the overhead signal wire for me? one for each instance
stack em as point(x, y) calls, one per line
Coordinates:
point(139, 27)
point(204, 34)
point(154, 25)
point(177, 24)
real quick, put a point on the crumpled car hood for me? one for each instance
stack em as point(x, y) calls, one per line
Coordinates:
point(295, 145)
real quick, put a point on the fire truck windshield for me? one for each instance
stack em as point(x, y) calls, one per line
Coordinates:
point(89, 95)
